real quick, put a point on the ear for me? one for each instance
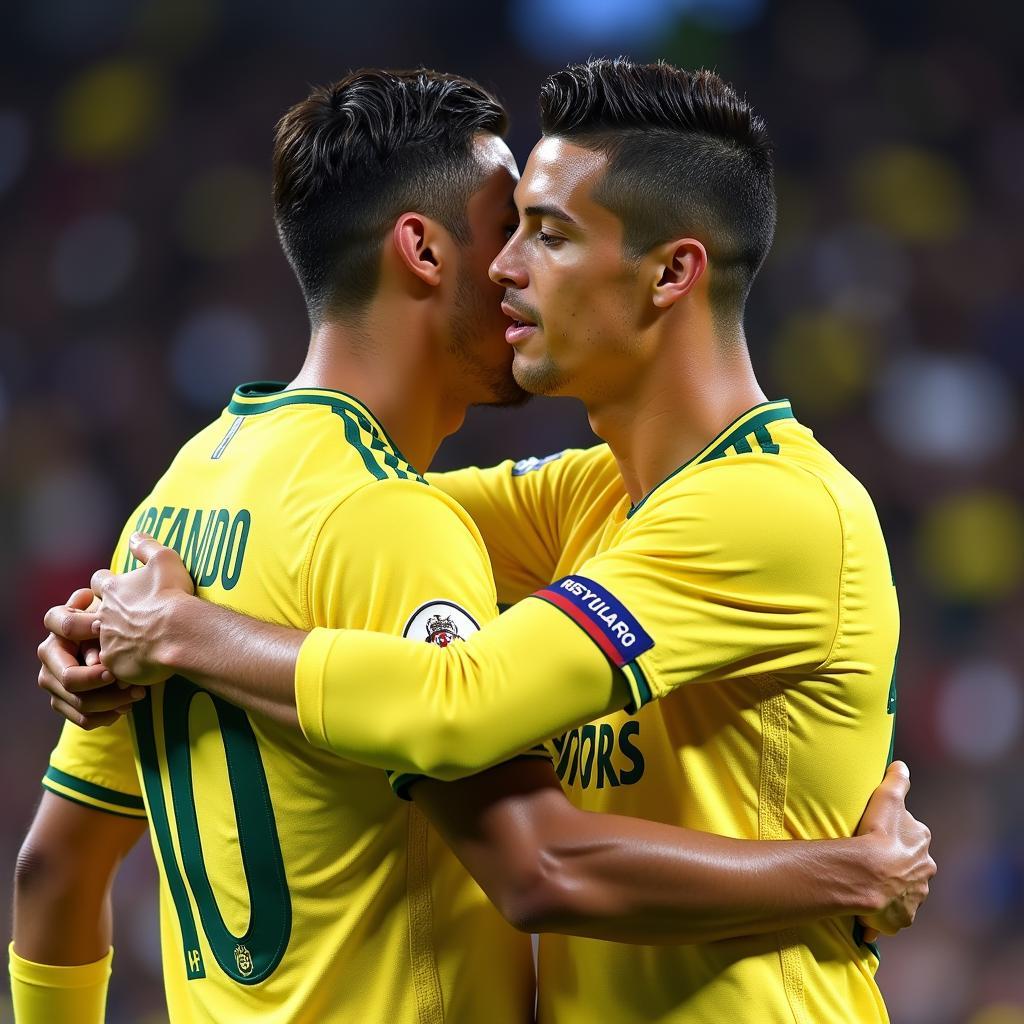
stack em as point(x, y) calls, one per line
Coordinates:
point(419, 246)
point(681, 264)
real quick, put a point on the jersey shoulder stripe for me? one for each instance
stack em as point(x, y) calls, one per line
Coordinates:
point(89, 794)
point(756, 427)
point(379, 454)
point(753, 423)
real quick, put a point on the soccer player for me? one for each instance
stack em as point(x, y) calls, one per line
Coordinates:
point(617, 903)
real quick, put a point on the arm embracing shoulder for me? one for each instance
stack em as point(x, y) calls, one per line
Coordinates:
point(454, 711)
point(550, 867)
point(695, 589)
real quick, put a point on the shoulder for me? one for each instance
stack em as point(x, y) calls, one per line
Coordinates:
point(570, 462)
point(401, 513)
point(744, 502)
point(573, 480)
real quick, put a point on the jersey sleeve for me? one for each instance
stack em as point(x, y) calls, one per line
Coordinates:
point(736, 575)
point(447, 713)
point(97, 769)
point(403, 559)
point(521, 510)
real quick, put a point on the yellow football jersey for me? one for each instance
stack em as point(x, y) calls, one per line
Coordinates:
point(751, 593)
point(295, 887)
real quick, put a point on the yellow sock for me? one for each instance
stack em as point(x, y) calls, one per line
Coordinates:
point(43, 994)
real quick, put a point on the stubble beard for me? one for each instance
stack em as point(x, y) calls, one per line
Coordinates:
point(472, 308)
point(540, 378)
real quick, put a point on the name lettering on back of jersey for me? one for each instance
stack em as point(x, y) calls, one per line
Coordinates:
point(212, 542)
point(440, 623)
point(601, 615)
point(598, 755)
point(532, 463)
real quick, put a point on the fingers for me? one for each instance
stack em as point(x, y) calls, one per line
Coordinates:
point(83, 690)
point(897, 780)
point(90, 651)
point(72, 625)
point(107, 698)
point(83, 678)
point(81, 719)
point(99, 580)
point(80, 599)
point(144, 547)
point(57, 654)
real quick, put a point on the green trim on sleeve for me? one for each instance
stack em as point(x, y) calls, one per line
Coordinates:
point(401, 783)
point(92, 789)
point(639, 687)
point(102, 808)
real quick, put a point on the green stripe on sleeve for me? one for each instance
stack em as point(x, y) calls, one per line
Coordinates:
point(638, 687)
point(401, 782)
point(109, 796)
point(102, 808)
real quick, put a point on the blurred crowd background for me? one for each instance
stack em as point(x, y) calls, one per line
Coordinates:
point(140, 281)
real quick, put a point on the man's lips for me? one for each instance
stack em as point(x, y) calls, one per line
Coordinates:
point(520, 328)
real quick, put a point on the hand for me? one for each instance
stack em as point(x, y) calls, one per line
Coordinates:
point(902, 857)
point(71, 661)
point(136, 611)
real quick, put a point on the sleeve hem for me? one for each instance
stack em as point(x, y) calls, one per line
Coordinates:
point(91, 794)
point(639, 687)
point(309, 684)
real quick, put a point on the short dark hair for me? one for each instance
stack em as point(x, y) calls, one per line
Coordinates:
point(686, 156)
point(354, 155)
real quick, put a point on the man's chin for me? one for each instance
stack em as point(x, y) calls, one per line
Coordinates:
point(537, 378)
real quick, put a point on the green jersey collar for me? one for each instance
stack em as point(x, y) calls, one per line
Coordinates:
point(753, 421)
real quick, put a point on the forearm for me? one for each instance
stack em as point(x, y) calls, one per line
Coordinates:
point(247, 662)
point(382, 701)
point(626, 880)
point(379, 700)
point(62, 882)
point(61, 922)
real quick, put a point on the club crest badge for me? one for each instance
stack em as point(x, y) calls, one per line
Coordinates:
point(243, 961)
point(441, 630)
point(440, 623)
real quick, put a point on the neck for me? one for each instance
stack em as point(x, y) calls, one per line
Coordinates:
point(386, 361)
point(684, 399)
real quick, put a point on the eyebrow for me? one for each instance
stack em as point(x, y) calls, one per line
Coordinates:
point(548, 211)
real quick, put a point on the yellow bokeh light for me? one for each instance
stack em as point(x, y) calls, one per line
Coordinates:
point(914, 194)
point(1000, 1013)
point(110, 111)
point(971, 547)
point(821, 361)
